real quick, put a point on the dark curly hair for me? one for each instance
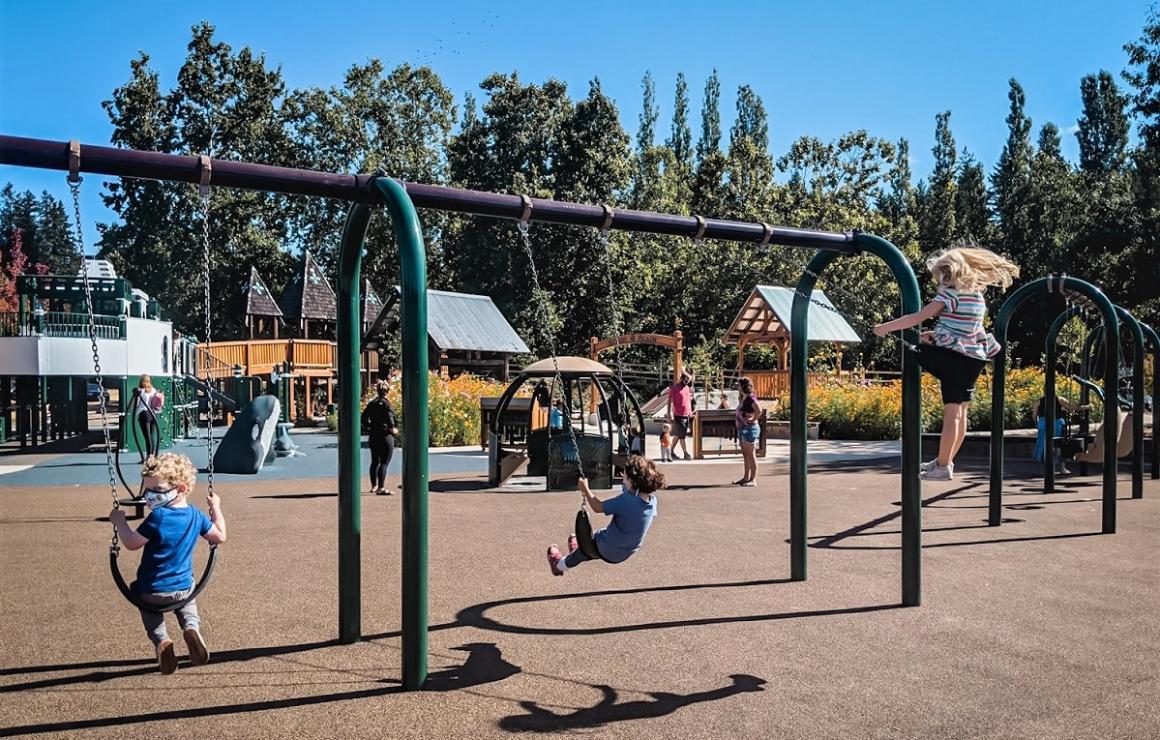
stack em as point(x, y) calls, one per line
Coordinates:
point(643, 474)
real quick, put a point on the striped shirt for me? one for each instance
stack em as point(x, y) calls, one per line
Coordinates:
point(960, 325)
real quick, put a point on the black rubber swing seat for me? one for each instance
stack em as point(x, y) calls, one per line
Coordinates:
point(584, 537)
point(135, 599)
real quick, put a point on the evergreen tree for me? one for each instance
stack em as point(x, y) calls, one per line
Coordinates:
point(972, 212)
point(710, 140)
point(56, 242)
point(1011, 177)
point(1053, 207)
point(937, 229)
point(1103, 127)
point(681, 136)
point(708, 195)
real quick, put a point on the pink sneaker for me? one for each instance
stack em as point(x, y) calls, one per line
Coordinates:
point(554, 558)
point(573, 544)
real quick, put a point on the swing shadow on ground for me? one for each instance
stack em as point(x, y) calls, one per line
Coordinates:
point(832, 541)
point(610, 709)
point(484, 665)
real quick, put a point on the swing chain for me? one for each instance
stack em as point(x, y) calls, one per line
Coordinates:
point(541, 302)
point(864, 305)
point(74, 184)
point(615, 318)
point(205, 191)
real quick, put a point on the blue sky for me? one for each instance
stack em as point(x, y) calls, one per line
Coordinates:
point(822, 68)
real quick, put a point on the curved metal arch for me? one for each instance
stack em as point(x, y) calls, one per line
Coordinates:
point(1054, 284)
point(911, 416)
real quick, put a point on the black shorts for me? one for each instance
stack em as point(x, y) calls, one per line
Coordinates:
point(681, 427)
point(955, 371)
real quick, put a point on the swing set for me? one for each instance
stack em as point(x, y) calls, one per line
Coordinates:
point(401, 199)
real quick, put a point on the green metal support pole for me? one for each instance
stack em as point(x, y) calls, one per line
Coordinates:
point(1049, 394)
point(1137, 399)
point(1150, 333)
point(911, 418)
point(413, 313)
point(798, 423)
point(349, 426)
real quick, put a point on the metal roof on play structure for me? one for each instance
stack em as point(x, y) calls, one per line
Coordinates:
point(767, 313)
point(459, 321)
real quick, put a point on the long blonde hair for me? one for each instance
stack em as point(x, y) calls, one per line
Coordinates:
point(971, 268)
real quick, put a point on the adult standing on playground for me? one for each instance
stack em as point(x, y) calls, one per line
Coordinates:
point(149, 403)
point(681, 404)
point(382, 428)
point(747, 418)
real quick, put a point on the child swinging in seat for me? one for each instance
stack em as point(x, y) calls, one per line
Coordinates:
point(958, 348)
point(169, 535)
point(632, 513)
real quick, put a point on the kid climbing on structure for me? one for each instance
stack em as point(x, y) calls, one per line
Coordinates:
point(958, 348)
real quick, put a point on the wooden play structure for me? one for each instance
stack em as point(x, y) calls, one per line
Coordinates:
point(764, 319)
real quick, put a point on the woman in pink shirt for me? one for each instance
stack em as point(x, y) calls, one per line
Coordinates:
point(681, 404)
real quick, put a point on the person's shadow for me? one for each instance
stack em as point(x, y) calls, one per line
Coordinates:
point(608, 710)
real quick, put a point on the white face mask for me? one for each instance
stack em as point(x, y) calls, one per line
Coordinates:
point(158, 499)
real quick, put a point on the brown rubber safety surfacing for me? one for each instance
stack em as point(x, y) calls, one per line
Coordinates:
point(1039, 628)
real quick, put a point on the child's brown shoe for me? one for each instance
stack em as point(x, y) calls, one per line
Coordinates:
point(166, 658)
point(198, 652)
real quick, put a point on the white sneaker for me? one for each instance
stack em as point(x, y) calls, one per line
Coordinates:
point(938, 472)
point(1062, 470)
point(928, 465)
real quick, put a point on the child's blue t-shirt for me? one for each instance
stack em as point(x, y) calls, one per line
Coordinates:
point(631, 517)
point(167, 561)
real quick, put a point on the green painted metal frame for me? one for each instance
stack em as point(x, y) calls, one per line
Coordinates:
point(1151, 335)
point(413, 314)
point(1046, 285)
point(1049, 393)
point(911, 417)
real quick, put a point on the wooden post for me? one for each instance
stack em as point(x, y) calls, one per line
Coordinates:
point(696, 430)
point(741, 353)
point(678, 354)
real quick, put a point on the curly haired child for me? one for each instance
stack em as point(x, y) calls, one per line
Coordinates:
point(958, 348)
point(169, 535)
point(632, 513)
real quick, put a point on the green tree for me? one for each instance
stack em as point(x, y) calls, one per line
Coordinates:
point(397, 122)
point(972, 210)
point(937, 228)
point(1011, 177)
point(1102, 129)
point(56, 242)
point(510, 147)
point(681, 136)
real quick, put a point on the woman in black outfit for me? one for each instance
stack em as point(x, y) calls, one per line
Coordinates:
point(381, 427)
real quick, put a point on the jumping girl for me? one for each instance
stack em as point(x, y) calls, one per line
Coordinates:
point(959, 347)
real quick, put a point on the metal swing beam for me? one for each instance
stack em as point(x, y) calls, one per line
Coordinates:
point(402, 199)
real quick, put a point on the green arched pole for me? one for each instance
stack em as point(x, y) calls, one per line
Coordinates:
point(1055, 284)
point(911, 418)
point(1049, 393)
point(413, 313)
point(1137, 400)
point(1150, 333)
